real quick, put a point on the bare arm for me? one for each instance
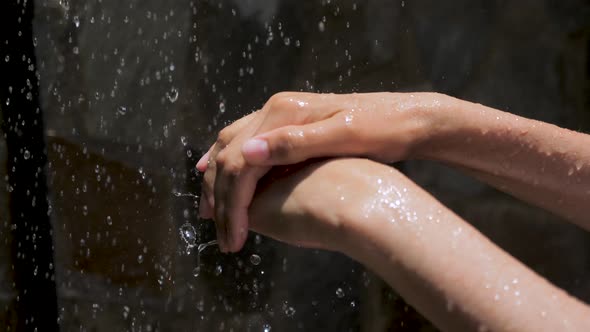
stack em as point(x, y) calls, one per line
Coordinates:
point(440, 264)
point(535, 161)
point(538, 162)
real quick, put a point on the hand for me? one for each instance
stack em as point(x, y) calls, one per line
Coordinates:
point(312, 205)
point(293, 127)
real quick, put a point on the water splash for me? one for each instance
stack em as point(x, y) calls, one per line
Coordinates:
point(206, 245)
point(179, 194)
point(189, 235)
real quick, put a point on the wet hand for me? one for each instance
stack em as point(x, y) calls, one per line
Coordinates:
point(293, 127)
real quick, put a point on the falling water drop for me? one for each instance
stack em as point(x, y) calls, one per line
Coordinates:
point(183, 140)
point(339, 293)
point(290, 311)
point(255, 259)
point(172, 95)
point(196, 271)
point(26, 154)
point(218, 270)
point(221, 107)
point(266, 328)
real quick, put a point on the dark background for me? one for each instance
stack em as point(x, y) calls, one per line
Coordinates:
point(131, 93)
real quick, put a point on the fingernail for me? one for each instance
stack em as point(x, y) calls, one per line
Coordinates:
point(256, 149)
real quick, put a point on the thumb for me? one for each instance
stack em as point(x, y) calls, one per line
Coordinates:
point(294, 144)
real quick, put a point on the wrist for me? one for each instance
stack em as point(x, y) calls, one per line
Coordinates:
point(441, 125)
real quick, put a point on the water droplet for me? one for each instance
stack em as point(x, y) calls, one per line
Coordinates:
point(77, 21)
point(140, 259)
point(266, 328)
point(122, 110)
point(26, 154)
point(255, 259)
point(321, 26)
point(196, 271)
point(172, 95)
point(403, 3)
point(188, 234)
point(125, 312)
point(218, 270)
point(221, 107)
point(290, 311)
point(183, 140)
point(339, 293)
point(109, 220)
point(348, 119)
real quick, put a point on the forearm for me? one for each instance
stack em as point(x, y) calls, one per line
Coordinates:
point(538, 162)
point(454, 275)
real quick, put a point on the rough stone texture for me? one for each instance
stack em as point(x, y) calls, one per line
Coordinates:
point(134, 91)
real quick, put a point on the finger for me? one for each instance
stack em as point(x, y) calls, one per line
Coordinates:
point(205, 208)
point(202, 163)
point(231, 131)
point(238, 201)
point(233, 190)
point(293, 144)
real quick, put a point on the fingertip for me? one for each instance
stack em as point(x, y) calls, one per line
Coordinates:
point(202, 163)
point(256, 150)
point(238, 234)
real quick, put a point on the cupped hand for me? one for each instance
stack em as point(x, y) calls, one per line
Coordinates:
point(293, 127)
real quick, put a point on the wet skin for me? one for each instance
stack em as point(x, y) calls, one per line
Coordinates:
point(440, 264)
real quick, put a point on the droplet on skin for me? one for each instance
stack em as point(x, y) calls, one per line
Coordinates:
point(348, 119)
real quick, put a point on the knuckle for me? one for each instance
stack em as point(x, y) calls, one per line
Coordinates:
point(284, 143)
point(231, 167)
point(224, 137)
point(221, 159)
point(280, 101)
